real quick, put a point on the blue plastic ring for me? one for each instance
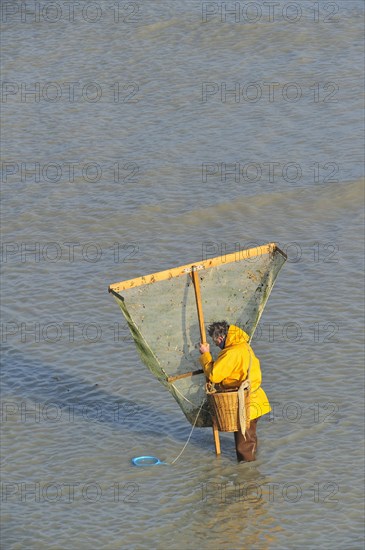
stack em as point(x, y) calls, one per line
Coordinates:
point(146, 461)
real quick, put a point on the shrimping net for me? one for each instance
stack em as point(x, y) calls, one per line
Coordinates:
point(161, 313)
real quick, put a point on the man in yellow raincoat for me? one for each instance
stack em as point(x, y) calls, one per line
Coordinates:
point(229, 371)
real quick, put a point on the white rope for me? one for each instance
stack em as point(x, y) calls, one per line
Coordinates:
point(191, 431)
point(183, 396)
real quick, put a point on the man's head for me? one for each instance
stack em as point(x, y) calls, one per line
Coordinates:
point(218, 332)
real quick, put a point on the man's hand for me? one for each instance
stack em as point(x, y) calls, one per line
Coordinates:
point(204, 348)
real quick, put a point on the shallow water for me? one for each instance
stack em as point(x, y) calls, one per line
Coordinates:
point(159, 175)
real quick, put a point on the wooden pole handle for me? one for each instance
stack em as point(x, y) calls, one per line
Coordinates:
point(203, 338)
point(185, 375)
point(199, 307)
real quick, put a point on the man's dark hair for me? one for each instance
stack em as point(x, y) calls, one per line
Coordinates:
point(219, 328)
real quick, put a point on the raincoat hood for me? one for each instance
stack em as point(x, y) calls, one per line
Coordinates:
point(236, 336)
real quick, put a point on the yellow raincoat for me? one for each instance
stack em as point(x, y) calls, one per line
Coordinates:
point(230, 369)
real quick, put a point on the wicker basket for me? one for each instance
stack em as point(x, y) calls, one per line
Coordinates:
point(224, 406)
